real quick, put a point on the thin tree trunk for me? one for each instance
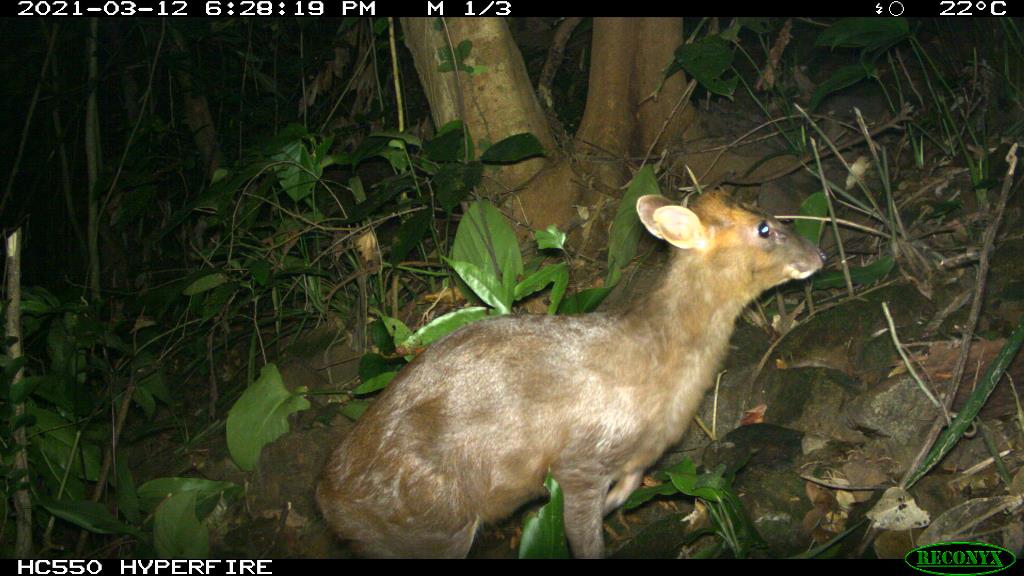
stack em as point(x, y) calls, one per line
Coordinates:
point(93, 161)
point(22, 498)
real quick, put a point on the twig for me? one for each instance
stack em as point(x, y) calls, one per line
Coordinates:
point(972, 319)
point(832, 215)
point(906, 361)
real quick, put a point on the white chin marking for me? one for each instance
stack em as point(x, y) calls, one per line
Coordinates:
point(798, 274)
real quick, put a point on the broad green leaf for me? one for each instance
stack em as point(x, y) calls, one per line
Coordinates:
point(485, 240)
point(869, 33)
point(815, 205)
point(444, 325)
point(584, 300)
point(126, 494)
point(707, 60)
point(354, 409)
point(709, 486)
point(208, 282)
point(355, 184)
point(453, 182)
point(398, 140)
point(260, 416)
point(260, 271)
point(38, 301)
point(409, 235)
point(449, 145)
point(397, 329)
point(484, 285)
point(626, 227)
point(177, 532)
point(21, 390)
point(645, 493)
point(146, 402)
point(217, 299)
point(842, 78)
point(54, 435)
point(381, 338)
point(378, 382)
point(862, 275)
point(550, 238)
point(557, 274)
point(513, 149)
point(92, 516)
point(373, 364)
point(299, 171)
point(544, 532)
point(208, 492)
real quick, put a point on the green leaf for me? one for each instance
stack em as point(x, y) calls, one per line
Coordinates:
point(513, 149)
point(453, 182)
point(355, 184)
point(707, 60)
point(449, 145)
point(177, 532)
point(584, 300)
point(544, 532)
point(646, 493)
point(557, 274)
point(217, 299)
point(444, 325)
point(708, 486)
point(21, 390)
point(260, 270)
point(842, 78)
point(862, 275)
point(208, 492)
point(867, 32)
point(145, 400)
point(207, 282)
point(550, 239)
point(260, 416)
point(485, 240)
point(381, 338)
point(484, 285)
point(396, 328)
point(92, 516)
point(372, 364)
point(449, 59)
point(815, 205)
point(54, 435)
point(625, 231)
point(378, 382)
point(354, 409)
point(126, 494)
point(300, 171)
point(409, 235)
point(975, 402)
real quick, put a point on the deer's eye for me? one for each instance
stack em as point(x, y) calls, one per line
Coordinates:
point(763, 230)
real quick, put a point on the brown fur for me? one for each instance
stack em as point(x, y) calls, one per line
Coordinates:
point(467, 431)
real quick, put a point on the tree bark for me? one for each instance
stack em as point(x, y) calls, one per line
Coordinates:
point(494, 103)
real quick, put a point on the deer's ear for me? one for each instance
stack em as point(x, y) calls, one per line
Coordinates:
point(645, 208)
point(676, 225)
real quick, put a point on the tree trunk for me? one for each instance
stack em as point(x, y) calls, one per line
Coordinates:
point(495, 103)
point(626, 113)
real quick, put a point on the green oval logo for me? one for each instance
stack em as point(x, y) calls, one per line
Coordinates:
point(959, 558)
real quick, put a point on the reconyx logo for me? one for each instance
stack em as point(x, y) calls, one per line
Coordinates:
point(960, 558)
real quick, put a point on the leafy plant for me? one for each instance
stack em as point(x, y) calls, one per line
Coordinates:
point(729, 522)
